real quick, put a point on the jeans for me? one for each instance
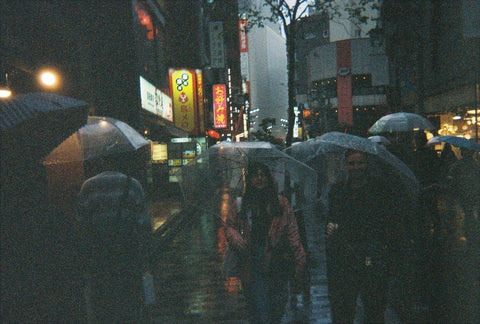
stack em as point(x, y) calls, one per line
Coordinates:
point(265, 294)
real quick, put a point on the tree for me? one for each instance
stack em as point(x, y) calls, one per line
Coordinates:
point(289, 13)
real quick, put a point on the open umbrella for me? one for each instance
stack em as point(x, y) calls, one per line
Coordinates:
point(32, 124)
point(99, 137)
point(455, 141)
point(221, 168)
point(328, 161)
point(400, 122)
point(78, 157)
point(379, 139)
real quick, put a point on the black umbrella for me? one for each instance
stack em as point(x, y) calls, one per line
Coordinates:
point(32, 124)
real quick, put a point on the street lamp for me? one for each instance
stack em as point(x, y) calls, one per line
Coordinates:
point(5, 90)
point(49, 79)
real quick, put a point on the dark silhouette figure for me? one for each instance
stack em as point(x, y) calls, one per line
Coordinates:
point(361, 231)
point(116, 236)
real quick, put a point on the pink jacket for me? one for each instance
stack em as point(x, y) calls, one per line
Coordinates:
point(237, 231)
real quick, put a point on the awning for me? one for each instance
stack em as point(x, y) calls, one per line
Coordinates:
point(167, 126)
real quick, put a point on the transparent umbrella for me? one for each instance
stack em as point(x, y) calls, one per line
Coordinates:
point(328, 161)
point(101, 136)
point(455, 141)
point(401, 122)
point(220, 170)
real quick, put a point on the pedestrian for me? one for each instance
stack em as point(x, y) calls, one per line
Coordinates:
point(361, 228)
point(264, 231)
point(116, 235)
point(463, 179)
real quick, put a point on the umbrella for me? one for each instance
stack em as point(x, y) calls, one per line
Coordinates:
point(400, 122)
point(221, 169)
point(77, 158)
point(455, 141)
point(328, 161)
point(379, 139)
point(100, 137)
point(32, 124)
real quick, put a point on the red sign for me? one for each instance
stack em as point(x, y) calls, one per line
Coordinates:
point(344, 83)
point(219, 106)
point(242, 25)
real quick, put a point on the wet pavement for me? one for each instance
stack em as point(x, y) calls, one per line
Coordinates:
point(190, 286)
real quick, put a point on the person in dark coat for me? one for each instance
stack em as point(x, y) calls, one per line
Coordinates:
point(264, 231)
point(360, 227)
point(116, 239)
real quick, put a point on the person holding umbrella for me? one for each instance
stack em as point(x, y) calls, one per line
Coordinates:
point(262, 228)
point(361, 229)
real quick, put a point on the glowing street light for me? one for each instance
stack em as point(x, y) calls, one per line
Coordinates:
point(49, 79)
point(5, 90)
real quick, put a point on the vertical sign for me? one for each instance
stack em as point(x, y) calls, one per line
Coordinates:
point(344, 83)
point(219, 106)
point(242, 25)
point(182, 85)
point(201, 108)
point(217, 48)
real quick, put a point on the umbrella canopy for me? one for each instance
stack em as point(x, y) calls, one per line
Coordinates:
point(328, 161)
point(455, 141)
point(32, 124)
point(379, 139)
point(222, 167)
point(400, 122)
point(101, 136)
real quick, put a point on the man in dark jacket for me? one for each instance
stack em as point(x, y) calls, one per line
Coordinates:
point(359, 228)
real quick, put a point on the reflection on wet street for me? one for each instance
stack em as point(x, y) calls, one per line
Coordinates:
point(189, 282)
point(190, 286)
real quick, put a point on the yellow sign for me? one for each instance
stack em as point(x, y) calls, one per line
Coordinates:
point(182, 85)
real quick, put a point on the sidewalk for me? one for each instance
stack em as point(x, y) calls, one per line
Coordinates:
point(161, 210)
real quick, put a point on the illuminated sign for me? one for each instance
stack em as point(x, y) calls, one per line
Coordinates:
point(182, 85)
point(219, 106)
point(159, 153)
point(201, 107)
point(155, 101)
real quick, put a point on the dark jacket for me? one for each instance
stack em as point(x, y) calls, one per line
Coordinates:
point(368, 223)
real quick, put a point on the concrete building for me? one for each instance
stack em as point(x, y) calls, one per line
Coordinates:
point(267, 71)
point(349, 81)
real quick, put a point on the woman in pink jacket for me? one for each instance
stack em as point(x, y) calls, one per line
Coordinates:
point(264, 232)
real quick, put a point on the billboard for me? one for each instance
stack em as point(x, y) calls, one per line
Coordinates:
point(184, 98)
point(155, 101)
point(219, 106)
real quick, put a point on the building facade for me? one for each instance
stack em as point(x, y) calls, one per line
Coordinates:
point(348, 82)
point(434, 52)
